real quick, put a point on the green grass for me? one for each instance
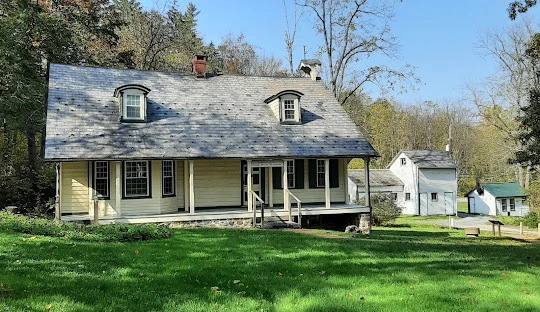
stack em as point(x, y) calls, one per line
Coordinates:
point(463, 207)
point(416, 268)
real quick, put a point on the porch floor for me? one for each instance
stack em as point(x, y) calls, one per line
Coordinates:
point(223, 213)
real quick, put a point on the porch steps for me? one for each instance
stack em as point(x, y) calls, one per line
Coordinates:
point(280, 225)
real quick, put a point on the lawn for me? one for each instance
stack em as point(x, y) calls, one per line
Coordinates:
point(463, 207)
point(397, 269)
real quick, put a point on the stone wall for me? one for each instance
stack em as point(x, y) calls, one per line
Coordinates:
point(225, 223)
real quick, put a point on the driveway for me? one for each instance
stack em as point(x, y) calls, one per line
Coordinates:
point(466, 220)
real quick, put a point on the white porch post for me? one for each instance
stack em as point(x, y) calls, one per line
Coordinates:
point(346, 179)
point(191, 189)
point(249, 185)
point(57, 196)
point(118, 188)
point(186, 185)
point(327, 182)
point(270, 187)
point(286, 199)
point(367, 191)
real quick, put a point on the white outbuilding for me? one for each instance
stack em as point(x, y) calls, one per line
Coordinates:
point(498, 199)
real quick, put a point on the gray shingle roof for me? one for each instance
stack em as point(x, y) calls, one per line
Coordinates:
point(188, 117)
point(381, 177)
point(430, 159)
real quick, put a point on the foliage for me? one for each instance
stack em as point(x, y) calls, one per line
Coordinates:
point(100, 233)
point(517, 7)
point(402, 269)
point(384, 210)
point(531, 220)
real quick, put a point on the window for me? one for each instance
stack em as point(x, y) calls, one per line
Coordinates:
point(403, 161)
point(136, 178)
point(433, 196)
point(288, 110)
point(168, 177)
point(321, 176)
point(133, 106)
point(512, 204)
point(290, 173)
point(503, 205)
point(407, 196)
point(393, 196)
point(101, 178)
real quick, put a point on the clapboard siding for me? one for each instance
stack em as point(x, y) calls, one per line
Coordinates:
point(74, 196)
point(307, 195)
point(216, 183)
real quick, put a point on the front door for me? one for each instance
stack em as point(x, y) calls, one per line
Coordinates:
point(423, 204)
point(449, 203)
point(256, 182)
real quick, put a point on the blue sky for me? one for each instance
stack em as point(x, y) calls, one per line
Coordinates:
point(437, 37)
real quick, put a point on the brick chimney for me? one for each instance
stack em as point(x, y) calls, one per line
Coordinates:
point(199, 65)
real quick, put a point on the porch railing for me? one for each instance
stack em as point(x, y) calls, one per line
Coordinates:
point(298, 204)
point(254, 203)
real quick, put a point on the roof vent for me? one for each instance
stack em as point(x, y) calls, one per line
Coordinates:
point(310, 68)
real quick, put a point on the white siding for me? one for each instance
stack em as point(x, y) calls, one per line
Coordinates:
point(274, 106)
point(487, 204)
point(438, 181)
point(74, 195)
point(315, 195)
point(407, 174)
point(217, 183)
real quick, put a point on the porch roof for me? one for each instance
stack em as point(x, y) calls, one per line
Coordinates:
point(222, 116)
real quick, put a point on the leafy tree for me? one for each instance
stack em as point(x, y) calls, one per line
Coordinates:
point(384, 210)
point(520, 7)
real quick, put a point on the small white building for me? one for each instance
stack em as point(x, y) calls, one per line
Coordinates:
point(430, 182)
point(498, 199)
point(381, 181)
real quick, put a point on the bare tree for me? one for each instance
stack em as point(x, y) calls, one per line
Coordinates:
point(290, 35)
point(352, 31)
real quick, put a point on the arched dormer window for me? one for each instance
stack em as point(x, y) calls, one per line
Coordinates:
point(286, 106)
point(132, 99)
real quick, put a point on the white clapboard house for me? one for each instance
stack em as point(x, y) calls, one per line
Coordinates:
point(159, 146)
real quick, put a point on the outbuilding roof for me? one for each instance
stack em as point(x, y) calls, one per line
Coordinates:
point(508, 189)
point(428, 159)
point(381, 177)
point(188, 117)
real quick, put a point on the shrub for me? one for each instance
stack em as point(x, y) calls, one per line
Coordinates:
point(101, 233)
point(531, 220)
point(383, 209)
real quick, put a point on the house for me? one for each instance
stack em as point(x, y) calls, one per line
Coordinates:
point(381, 181)
point(153, 146)
point(430, 182)
point(498, 199)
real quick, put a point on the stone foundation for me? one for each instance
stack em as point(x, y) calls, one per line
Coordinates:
point(221, 224)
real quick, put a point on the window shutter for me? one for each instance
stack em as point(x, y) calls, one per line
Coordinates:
point(277, 177)
point(299, 174)
point(334, 173)
point(312, 171)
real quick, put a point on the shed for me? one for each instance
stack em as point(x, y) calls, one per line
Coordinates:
point(498, 199)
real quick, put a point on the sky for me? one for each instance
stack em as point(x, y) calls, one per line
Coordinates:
point(437, 37)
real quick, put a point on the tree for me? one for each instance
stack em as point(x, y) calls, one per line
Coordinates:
point(520, 7)
point(352, 31)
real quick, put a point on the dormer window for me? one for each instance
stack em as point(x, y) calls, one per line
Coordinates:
point(286, 106)
point(132, 100)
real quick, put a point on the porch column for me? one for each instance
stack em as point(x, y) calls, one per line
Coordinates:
point(367, 192)
point(249, 185)
point(327, 182)
point(191, 189)
point(286, 198)
point(57, 196)
point(346, 180)
point(186, 186)
point(270, 187)
point(118, 188)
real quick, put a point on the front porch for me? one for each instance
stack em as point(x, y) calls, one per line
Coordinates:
point(224, 213)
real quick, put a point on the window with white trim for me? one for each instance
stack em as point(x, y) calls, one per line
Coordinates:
point(512, 204)
point(434, 197)
point(503, 205)
point(290, 108)
point(101, 178)
point(403, 161)
point(290, 173)
point(133, 105)
point(168, 177)
point(407, 196)
point(289, 111)
point(136, 178)
point(393, 196)
point(321, 173)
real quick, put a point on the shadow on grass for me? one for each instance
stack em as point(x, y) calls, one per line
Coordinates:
point(248, 270)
